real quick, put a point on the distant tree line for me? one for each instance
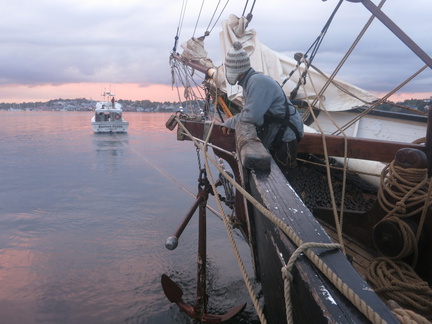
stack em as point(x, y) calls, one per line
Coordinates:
point(407, 106)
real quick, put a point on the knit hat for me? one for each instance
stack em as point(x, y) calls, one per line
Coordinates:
point(236, 63)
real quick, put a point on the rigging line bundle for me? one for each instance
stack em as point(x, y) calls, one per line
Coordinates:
point(314, 50)
point(180, 25)
point(348, 53)
point(222, 11)
point(251, 10)
point(199, 16)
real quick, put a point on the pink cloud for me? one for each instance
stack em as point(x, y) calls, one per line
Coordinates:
point(397, 97)
point(125, 91)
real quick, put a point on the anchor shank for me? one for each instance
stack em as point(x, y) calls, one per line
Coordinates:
point(201, 296)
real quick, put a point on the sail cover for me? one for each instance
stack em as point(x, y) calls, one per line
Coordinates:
point(277, 66)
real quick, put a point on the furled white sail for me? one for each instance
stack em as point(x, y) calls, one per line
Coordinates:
point(278, 66)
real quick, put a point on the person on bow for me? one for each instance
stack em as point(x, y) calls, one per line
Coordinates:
point(279, 125)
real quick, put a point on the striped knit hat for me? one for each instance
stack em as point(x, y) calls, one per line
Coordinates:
point(236, 63)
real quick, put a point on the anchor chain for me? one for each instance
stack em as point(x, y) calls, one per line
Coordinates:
point(229, 198)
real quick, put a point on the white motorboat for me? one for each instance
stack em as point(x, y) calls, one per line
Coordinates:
point(108, 116)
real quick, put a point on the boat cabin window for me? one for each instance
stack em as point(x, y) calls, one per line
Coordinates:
point(108, 116)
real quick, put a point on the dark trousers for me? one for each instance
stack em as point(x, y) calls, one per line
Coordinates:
point(285, 156)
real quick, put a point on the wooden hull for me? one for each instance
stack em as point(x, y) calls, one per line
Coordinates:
point(315, 299)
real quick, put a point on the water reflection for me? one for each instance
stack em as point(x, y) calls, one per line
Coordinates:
point(84, 218)
point(109, 148)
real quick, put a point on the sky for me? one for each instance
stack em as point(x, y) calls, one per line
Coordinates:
point(78, 48)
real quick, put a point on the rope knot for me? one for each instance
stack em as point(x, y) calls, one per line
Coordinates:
point(286, 274)
point(401, 207)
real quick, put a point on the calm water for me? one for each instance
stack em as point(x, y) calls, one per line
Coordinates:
point(84, 218)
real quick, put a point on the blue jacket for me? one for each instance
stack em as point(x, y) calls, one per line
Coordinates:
point(261, 94)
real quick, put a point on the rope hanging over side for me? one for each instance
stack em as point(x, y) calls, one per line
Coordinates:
point(287, 276)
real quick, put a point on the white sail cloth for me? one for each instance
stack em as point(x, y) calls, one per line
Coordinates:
point(277, 66)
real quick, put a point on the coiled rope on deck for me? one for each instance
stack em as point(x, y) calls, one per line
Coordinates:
point(395, 280)
point(392, 278)
point(410, 188)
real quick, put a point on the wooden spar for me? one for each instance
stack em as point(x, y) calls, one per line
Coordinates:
point(209, 72)
point(224, 107)
point(357, 148)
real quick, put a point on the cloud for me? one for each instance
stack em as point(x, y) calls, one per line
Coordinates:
point(129, 41)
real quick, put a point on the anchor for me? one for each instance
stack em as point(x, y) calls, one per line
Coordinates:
point(171, 289)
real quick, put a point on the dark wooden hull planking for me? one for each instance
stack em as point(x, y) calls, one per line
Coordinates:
point(315, 299)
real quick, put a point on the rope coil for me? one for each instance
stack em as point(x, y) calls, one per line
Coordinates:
point(410, 188)
point(395, 280)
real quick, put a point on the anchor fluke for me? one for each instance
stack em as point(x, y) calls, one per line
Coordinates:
point(171, 289)
point(171, 242)
point(174, 295)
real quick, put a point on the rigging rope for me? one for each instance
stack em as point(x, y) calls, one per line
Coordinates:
point(208, 31)
point(251, 10)
point(215, 212)
point(382, 100)
point(222, 11)
point(199, 16)
point(337, 218)
point(180, 24)
point(347, 54)
point(314, 49)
